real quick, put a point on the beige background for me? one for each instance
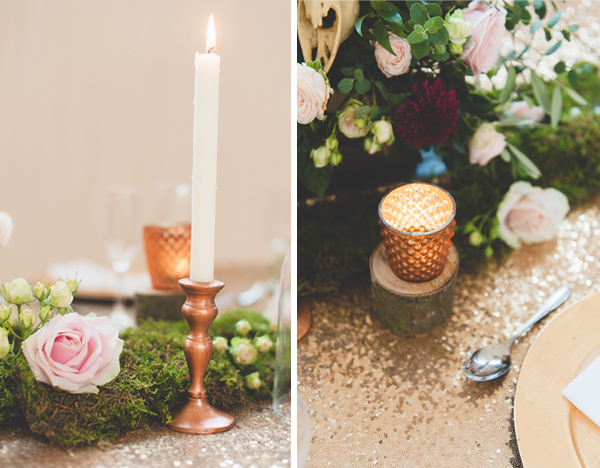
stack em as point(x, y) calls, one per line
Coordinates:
point(100, 92)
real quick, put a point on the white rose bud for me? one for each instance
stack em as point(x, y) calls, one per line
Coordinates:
point(60, 295)
point(320, 156)
point(475, 239)
point(456, 49)
point(332, 143)
point(44, 313)
point(27, 318)
point(243, 327)
point(40, 291)
point(73, 285)
point(336, 158)
point(243, 351)
point(371, 145)
point(6, 228)
point(5, 312)
point(253, 380)
point(220, 343)
point(458, 29)
point(263, 344)
point(349, 125)
point(383, 131)
point(18, 291)
point(4, 344)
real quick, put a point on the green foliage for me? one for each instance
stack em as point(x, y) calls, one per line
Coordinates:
point(153, 379)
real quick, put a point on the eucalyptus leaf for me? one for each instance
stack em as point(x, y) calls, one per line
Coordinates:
point(358, 74)
point(440, 37)
point(526, 164)
point(578, 98)
point(573, 28)
point(420, 50)
point(345, 85)
point(540, 92)
point(555, 19)
point(433, 9)
point(378, 4)
point(362, 112)
point(540, 8)
point(415, 38)
point(418, 13)
point(548, 34)
point(535, 26)
point(362, 87)
point(554, 48)
point(556, 110)
point(566, 34)
point(514, 121)
point(511, 77)
point(441, 57)
point(560, 67)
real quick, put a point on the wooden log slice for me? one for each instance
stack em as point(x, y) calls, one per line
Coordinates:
point(407, 308)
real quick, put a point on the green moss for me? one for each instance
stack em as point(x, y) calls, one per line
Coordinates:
point(153, 379)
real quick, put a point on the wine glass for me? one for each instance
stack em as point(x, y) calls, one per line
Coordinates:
point(122, 238)
point(282, 386)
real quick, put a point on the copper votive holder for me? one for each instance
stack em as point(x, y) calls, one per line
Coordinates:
point(196, 415)
point(167, 249)
point(417, 221)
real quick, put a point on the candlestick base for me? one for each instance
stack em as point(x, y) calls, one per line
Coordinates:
point(197, 416)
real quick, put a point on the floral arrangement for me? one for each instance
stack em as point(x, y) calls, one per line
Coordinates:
point(57, 367)
point(429, 75)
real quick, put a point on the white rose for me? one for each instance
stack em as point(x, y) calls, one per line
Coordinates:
point(4, 344)
point(320, 156)
point(371, 146)
point(60, 295)
point(394, 65)
point(485, 144)
point(312, 95)
point(383, 131)
point(530, 214)
point(349, 124)
point(18, 291)
point(522, 109)
point(458, 29)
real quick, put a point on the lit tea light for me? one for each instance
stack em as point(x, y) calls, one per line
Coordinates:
point(417, 221)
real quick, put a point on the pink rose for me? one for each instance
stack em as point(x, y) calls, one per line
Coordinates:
point(522, 109)
point(313, 94)
point(75, 353)
point(485, 144)
point(530, 214)
point(482, 50)
point(394, 65)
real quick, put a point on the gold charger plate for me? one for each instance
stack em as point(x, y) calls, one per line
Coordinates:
point(551, 432)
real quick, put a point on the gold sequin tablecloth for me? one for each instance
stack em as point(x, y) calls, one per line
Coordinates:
point(377, 399)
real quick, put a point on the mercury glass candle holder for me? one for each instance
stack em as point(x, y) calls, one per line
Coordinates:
point(417, 221)
point(167, 249)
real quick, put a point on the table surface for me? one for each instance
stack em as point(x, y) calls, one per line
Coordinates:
point(259, 439)
point(377, 399)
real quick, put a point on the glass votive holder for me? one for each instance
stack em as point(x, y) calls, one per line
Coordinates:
point(167, 249)
point(282, 385)
point(417, 221)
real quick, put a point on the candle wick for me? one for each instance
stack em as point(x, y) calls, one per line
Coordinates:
point(211, 50)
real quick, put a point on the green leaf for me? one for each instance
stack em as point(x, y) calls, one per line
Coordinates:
point(362, 112)
point(419, 29)
point(540, 8)
point(528, 166)
point(505, 155)
point(362, 87)
point(488, 252)
point(556, 110)
point(510, 84)
point(415, 38)
point(315, 179)
point(433, 9)
point(347, 71)
point(515, 121)
point(554, 48)
point(376, 114)
point(420, 50)
point(578, 98)
point(535, 26)
point(441, 57)
point(441, 37)
point(560, 67)
point(566, 34)
point(383, 90)
point(345, 85)
point(418, 13)
point(358, 74)
point(381, 36)
point(573, 77)
point(358, 23)
point(540, 91)
point(573, 28)
point(555, 19)
point(393, 17)
point(437, 21)
point(378, 4)
point(548, 34)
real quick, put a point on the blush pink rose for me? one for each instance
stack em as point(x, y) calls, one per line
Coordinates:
point(75, 353)
point(522, 109)
point(312, 94)
point(483, 48)
point(485, 144)
point(390, 64)
point(530, 214)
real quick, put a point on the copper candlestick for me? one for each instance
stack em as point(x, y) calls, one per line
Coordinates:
point(196, 415)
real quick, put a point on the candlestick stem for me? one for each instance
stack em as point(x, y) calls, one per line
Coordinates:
point(196, 415)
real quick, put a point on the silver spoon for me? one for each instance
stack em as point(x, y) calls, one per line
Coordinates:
point(491, 362)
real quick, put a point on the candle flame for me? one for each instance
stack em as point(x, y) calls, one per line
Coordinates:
point(210, 35)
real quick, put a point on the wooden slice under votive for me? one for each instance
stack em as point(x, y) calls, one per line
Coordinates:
point(407, 308)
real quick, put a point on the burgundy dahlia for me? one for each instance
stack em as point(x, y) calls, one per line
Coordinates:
point(429, 116)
